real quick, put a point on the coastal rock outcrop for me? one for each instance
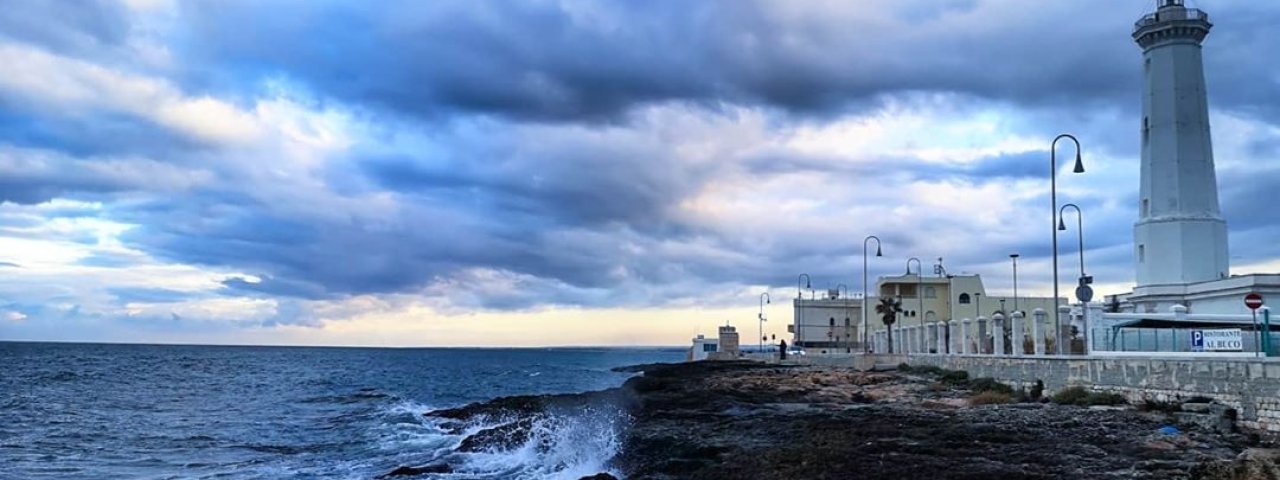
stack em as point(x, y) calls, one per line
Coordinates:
point(749, 420)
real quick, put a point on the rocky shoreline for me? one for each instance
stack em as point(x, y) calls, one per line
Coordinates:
point(718, 420)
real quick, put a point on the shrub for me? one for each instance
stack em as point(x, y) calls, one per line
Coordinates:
point(1101, 398)
point(903, 367)
point(1037, 390)
point(988, 384)
point(1070, 396)
point(1080, 396)
point(955, 377)
point(990, 398)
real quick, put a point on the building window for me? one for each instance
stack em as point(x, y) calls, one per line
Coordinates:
point(1142, 253)
point(708, 347)
point(964, 299)
point(1146, 131)
point(1146, 207)
point(846, 321)
point(907, 290)
point(930, 292)
point(833, 321)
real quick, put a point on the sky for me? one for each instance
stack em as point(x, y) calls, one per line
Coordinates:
point(570, 172)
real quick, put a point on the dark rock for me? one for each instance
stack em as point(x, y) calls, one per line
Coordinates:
point(1252, 464)
point(415, 471)
point(1195, 407)
point(503, 437)
point(600, 476)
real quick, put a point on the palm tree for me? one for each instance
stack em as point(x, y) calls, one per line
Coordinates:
point(889, 308)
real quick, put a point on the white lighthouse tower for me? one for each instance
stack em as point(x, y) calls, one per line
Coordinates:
point(1180, 237)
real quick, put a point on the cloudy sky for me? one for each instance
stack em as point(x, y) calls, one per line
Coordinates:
point(554, 172)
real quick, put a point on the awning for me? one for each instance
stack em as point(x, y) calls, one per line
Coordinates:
point(1189, 324)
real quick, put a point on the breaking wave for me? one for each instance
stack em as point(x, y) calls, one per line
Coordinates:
point(550, 445)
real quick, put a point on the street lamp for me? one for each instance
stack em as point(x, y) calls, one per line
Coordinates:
point(764, 298)
point(1062, 227)
point(799, 320)
point(1053, 209)
point(977, 306)
point(844, 302)
point(919, 289)
point(1014, 256)
point(865, 324)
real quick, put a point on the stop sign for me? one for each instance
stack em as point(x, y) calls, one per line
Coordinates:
point(1253, 301)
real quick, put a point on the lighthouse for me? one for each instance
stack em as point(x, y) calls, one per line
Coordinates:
point(1180, 237)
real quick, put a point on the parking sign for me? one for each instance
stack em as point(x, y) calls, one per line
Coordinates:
point(1224, 340)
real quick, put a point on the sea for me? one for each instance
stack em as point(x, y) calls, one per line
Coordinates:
point(110, 411)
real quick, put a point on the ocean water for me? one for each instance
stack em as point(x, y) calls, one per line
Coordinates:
point(93, 411)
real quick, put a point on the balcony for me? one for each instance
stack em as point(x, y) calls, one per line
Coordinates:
point(1170, 15)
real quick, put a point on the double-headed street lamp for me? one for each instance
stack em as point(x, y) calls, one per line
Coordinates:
point(865, 323)
point(1053, 202)
point(764, 298)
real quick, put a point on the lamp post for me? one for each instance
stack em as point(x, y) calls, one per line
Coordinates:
point(1062, 226)
point(865, 323)
point(805, 280)
point(799, 320)
point(1014, 257)
point(844, 301)
point(764, 298)
point(919, 290)
point(1053, 209)
point(977, 305)
point(1084, 281)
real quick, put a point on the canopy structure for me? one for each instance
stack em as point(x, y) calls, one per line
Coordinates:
point(1197, 323)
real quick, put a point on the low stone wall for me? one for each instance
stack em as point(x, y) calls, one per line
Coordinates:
point(1251, 386)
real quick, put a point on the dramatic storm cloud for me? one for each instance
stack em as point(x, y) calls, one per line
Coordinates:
point(543, 172)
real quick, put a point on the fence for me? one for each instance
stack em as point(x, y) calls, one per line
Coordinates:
point(1175, 340)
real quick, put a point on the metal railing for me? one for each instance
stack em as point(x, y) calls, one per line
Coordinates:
point(1175, 14)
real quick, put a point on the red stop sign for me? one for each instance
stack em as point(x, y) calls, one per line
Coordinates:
point(1253, 301)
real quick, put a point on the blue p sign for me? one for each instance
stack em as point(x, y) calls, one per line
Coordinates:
point(1197, 340)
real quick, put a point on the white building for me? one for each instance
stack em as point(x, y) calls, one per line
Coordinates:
point(1180, 238)
point(703, 348)
point(832, 324)
point(826, 325)
point(725, 347)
